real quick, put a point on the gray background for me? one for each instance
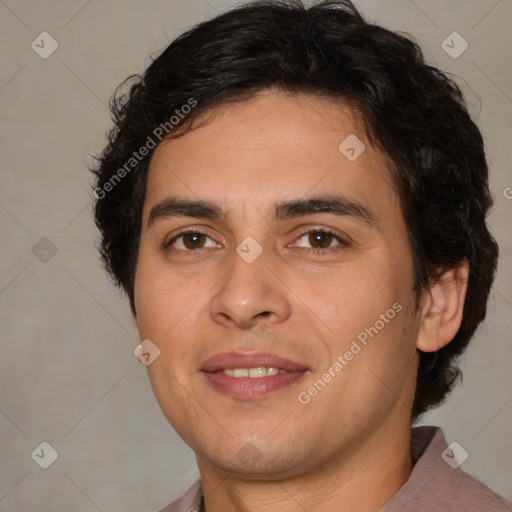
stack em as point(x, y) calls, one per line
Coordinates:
point(67, 372)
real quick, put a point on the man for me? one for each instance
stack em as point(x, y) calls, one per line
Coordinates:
point(295, 204)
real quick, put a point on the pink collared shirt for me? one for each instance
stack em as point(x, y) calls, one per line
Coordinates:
point(434, 485)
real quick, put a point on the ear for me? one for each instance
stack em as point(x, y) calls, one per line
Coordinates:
point(135, 324)
point(443, 305)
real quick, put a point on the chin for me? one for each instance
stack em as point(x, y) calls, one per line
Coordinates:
point(259, 460)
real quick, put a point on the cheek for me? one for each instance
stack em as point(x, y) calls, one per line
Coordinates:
point(376, 375)
point(370, 315)
point(164, 301)
point(170, 310)
point(351, 298)
point(179, 406)
point(168, 307)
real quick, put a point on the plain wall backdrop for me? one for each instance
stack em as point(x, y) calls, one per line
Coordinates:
point(68, 376)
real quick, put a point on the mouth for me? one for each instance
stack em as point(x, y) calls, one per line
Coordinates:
point(251, 376)
point(253, 373)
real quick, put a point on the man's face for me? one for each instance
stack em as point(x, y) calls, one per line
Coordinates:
point(329, 273)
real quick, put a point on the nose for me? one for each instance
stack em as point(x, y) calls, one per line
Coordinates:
point(250, 294)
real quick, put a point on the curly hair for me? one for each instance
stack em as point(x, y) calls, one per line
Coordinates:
point(411, 110)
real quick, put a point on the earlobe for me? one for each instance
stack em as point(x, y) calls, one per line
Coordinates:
point(135, 325)
point(442, 310)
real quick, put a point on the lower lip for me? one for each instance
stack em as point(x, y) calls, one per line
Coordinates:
point(247, 388)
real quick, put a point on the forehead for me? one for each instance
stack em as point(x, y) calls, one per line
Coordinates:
point(276, 147)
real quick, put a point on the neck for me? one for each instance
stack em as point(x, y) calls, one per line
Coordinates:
point(357, 479)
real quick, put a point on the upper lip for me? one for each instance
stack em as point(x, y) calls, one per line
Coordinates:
point(234, 360)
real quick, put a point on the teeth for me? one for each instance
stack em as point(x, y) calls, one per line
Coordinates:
point(253, 373)
point(257, 372)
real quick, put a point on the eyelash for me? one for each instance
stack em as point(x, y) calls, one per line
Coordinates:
point(342, 243)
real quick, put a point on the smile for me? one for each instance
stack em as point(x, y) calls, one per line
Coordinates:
point(253, 373)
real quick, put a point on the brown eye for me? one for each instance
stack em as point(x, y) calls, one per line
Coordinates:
point(194, 240)
point(320, 239)
point(190, 241)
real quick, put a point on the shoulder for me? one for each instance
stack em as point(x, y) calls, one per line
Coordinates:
point(438, 483)
point(189, 502)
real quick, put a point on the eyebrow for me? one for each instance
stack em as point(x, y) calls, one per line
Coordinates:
point(336, 205)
